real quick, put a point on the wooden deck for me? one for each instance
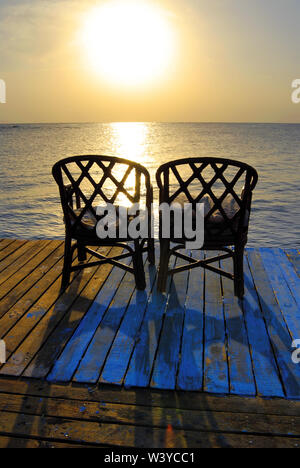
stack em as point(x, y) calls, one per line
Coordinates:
point(192, 368)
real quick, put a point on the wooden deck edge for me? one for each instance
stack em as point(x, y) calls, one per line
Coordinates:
point(150, 397)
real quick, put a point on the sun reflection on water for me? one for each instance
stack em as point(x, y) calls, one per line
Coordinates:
point(129, 140)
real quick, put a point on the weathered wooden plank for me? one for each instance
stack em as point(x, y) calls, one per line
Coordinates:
point(29, 320)
point(22, 265)
point(91, 365)
point(68, 361)
point(33, 270)
point(289, 274)
point(119, 355)
point(18, 258)
point(44, 316)
point(10, 248)
point(286, 301)
point(241, 376)
point(216, 377)
point(17, 311)
point(34, 279)
point(277, 328)
point(192, 420)
point(129, 436)
point(4, 244)
point(34, 304)
point(147, 397)
point(168, 353)
point(190, 375)
point(294, 257)
point(52, 348)
point(141, 363)
point(18, 442)
point(264, 364)
point(90, 432)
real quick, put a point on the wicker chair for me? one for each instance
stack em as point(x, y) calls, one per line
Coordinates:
point(84, 183)
point(225, 187)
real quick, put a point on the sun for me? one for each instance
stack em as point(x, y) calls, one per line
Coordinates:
point(129, 43)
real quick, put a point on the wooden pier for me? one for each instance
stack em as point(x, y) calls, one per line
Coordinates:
point(105, 365)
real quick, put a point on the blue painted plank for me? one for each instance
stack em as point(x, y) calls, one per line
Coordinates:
point(278, 280)
point(91, 364)
point(167, 359)
point(68, 361)
point(264, 364)
point(216, 377)
point(294, 257)
point(141, 363)
point(239, 357)
point(289, 274)
point(190, 375)
point(119, 356)
point(277, 328)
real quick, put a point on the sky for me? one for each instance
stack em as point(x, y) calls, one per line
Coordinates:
point(196, 60)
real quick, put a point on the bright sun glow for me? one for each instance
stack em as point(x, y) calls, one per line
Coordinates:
point(129, 43)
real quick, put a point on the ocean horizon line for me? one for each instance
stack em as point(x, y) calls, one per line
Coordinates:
point(150, 122)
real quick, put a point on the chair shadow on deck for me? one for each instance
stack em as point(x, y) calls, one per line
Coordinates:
point(285, 375)
point(164, 416)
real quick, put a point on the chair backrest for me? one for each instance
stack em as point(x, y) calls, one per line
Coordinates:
point(225, 187)
point(88, 181)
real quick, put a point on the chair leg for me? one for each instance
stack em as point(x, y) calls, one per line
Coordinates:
point(151, 252)
point(163, 265)
point(138, 266)
point(81, 253)
point(67, 263)
point(239, 271)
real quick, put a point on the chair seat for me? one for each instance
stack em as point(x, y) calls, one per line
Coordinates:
point(211, 239)
point(86, 229)
point(216, 231)
point(229, 205)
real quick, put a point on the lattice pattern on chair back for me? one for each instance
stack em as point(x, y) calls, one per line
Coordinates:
point(88, 181)
point(224, 186)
